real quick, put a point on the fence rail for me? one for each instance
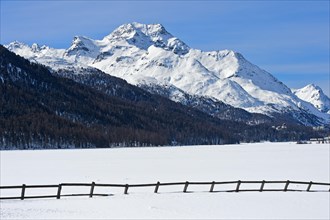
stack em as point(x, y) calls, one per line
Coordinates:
point(157, 186)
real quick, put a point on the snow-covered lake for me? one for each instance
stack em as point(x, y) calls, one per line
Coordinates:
point(262, 161)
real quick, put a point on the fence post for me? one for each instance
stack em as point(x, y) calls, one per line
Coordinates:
point(286, 185)
point(185, 186)
point(262, 186)
point(23, 192)
point(59, 189)
point(92, 190)
point(309, 186)
point(212, 186)
point(238, 185)
point(126, 189)
point(157, 186)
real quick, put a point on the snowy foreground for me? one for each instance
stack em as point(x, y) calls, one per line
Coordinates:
point(263, 161)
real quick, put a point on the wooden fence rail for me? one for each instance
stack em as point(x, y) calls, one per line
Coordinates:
point(158, 185)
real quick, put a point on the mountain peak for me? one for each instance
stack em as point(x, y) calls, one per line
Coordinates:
point(145, 35)
point(25, 50)
point(315, 95)
point(15, 45)
point(150, 28)
point(312, 87)
point(130, 29)
point(81, 45)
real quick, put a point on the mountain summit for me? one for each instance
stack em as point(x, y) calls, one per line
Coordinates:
point(146, 35)
point(315, 95)
point(149, 56)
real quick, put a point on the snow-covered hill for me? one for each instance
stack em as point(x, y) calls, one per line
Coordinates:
point(148, 55)
point(314, 95)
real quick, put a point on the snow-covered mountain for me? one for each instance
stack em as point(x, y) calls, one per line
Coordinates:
point(314, 95)
point(148, 55)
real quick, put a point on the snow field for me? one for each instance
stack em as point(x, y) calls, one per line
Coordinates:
point(262, 161)
point(175, 206)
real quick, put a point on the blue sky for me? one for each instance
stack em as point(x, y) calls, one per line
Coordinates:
point(289, 39)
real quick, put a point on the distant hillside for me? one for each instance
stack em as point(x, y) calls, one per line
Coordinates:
point(42, 110)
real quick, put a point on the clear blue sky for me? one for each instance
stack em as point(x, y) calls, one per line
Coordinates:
point(289, 39)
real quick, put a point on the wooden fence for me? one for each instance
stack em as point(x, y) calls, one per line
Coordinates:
point(157, 186)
